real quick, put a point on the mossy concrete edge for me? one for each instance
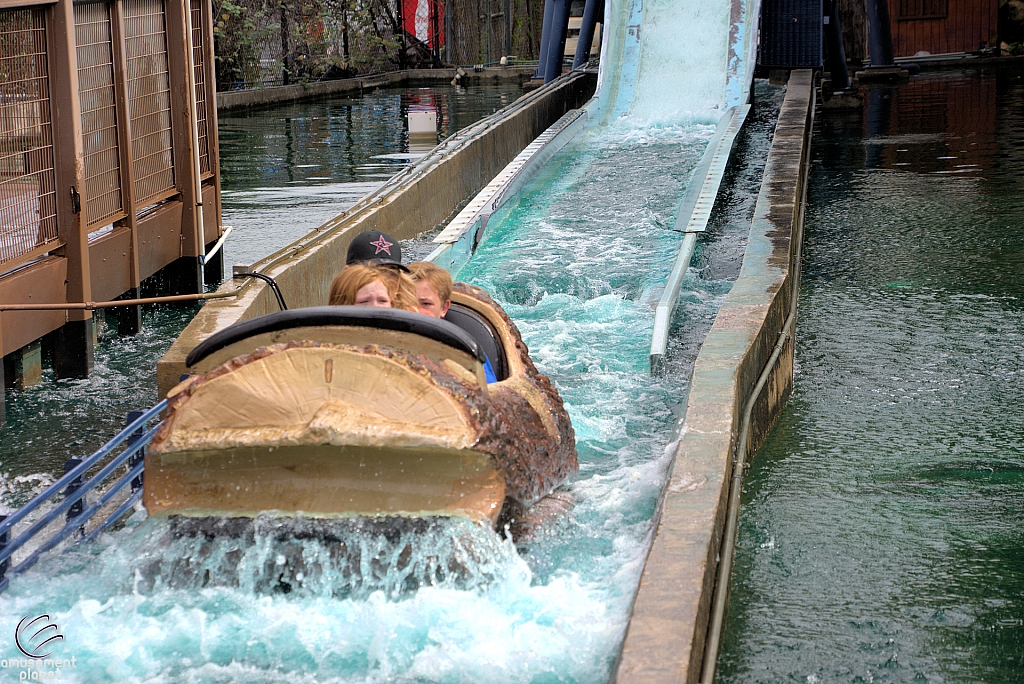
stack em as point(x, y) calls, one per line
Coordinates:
point(269, 97)
point(666, 634)
point(416, 200)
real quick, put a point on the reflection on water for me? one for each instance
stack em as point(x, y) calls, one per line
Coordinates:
point(285, 170)
point(882, 533)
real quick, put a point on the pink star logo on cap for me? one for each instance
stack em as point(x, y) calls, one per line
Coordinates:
point(382, 245)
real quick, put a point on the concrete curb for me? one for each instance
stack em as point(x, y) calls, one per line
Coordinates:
point(666, 634)
point(266, 97)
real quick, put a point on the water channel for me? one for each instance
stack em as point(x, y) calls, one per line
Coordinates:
point(882, 532)
point(578, 262)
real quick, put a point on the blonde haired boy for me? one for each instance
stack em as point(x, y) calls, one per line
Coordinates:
point(433, 288)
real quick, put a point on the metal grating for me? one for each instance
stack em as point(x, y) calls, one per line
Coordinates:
point(197, 56)
point(28, 198)
point(149, 98)
point(791, 34)
point(99, 112)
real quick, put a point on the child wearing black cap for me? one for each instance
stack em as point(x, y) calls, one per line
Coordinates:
point(375, 247)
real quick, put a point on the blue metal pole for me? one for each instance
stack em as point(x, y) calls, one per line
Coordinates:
point(4, 538)
point(556, 42)
point(586, 33)
point(545, 38)
point(76, 508)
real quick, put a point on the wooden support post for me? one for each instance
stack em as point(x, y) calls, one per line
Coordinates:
point(181, 128)
point(73, 350)
point(24, 367)
point(213, 269)
point(128, 319)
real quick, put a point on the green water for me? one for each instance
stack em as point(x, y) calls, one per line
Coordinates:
point(285, 170)
point(882, 528)
point(578, 262)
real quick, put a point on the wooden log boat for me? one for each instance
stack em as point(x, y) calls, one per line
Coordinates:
point(357, 411)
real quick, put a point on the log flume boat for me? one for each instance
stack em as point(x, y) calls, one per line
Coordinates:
point(338, 411)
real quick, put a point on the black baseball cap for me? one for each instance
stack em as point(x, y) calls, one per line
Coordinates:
point(377, 247)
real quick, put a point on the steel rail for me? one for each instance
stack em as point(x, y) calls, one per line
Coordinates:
point(79, 471)
point(72, 497)
point(695, 209)
point(79, 521)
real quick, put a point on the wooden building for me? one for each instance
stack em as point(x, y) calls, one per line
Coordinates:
point(933, 26)
point(943, 26)
point(106, 137)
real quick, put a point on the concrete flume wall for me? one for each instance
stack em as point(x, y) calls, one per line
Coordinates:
point(416, 200)
point(666, 635)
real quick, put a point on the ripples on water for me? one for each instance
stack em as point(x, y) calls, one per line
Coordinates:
point(882, 534)
point(578, 263)
point(286, 170)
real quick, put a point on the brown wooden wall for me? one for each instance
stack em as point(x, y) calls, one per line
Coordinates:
point(97, 174)
point(968, 25)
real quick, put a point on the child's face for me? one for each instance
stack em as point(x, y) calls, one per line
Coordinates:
point(430, 303)
point(373, 294)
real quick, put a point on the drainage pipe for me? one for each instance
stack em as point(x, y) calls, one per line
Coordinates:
point(90, 306)
point(739, 465)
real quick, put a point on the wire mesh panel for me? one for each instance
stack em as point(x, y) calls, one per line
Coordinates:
point(200, 80)
point(99, 112)
point(149, 98)
point(28, 199)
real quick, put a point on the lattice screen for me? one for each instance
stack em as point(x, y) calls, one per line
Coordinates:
point(103, 199)
point(28, 201)
point(198, 36)
point(477, 30)
point(149, 99)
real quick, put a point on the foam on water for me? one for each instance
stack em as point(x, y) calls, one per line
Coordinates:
point(573, 261)
point(578, 260)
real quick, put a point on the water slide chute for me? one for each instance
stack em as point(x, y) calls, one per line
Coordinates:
point(663, 62)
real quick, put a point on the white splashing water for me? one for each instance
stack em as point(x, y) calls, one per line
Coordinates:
point(684, 51)
point(578, 260)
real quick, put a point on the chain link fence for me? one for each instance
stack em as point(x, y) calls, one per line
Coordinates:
point(265, 43)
